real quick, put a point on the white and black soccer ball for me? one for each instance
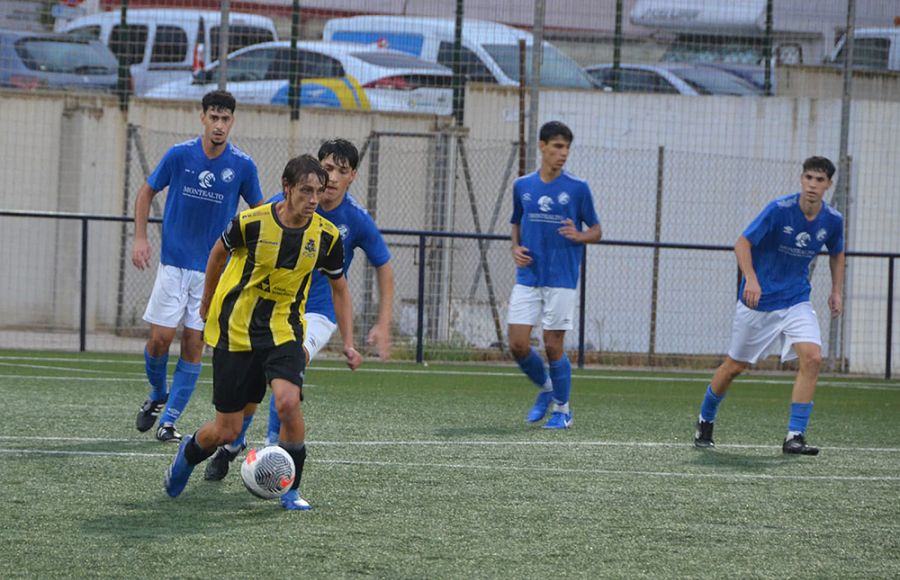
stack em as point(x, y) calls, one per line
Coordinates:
point(268, 472)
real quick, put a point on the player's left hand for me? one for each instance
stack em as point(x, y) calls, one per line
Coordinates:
point(354, 359)
point(569, 231)
point(836, 304)
point(380, 338)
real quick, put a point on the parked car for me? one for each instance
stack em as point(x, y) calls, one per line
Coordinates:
point(490, 50)
point(752, 73)
point(161, 45)
point(672, 79)
point(339, 75)
point(30, 60)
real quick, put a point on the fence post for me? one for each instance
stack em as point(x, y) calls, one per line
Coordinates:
point(583, 299)
point(420, 305)
point(890, 320)
point(82, 326)
point(657, 235)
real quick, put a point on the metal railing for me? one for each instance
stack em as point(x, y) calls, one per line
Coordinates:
point(422, 238)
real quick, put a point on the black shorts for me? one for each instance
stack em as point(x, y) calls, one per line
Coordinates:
point(240, 378)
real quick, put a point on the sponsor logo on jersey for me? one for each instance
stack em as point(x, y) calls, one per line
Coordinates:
point(802, 240)
point(206, 179)
point(545, 203)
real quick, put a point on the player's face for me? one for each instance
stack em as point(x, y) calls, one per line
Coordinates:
point(813, 185)
point(217, 125)
point(340, 176)
point(554, 153)
point(303, 197)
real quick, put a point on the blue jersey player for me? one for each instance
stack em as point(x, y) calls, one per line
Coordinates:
point(774, 311)
point(340, 159)
point(206, 177)
point(550, 208)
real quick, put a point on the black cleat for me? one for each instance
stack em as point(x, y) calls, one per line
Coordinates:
point(218, 465)
point(796, 445)
point(168, 434)
point(148, 413)
point(703, 435)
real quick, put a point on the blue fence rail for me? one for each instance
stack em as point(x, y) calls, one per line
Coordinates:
point(422, 237)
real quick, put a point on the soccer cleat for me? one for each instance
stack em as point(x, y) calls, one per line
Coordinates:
point(178, 473)
point(703, 435)
point(292, 501)
point(796, 445)
point(559, 420)
point(539, 409)
point(218, 465)
point(148, 413)
point(168, 434)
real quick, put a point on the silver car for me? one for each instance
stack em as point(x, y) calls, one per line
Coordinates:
point(30, 60)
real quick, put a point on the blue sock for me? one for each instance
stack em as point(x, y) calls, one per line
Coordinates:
point(156, 374)
point(242, 436)
point(710, 405)
point(274, 421)
point(561, 376)
point(800, 413)
point(184, 381)
point(533, 367)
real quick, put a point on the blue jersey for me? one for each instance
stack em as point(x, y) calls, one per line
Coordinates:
point(539, 209)
point(784, 243)
point(358, 230)
point(202, 199)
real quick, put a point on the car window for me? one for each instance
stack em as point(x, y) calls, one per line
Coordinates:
point(557, 69)
point(395, 60)
point(868, 53)
point(86, 32)
point(642, 81)
point(66, 56)
point(317, 65)
point(710, 81)
point(238, 37)
point(170, 44)
point(252, 65)
point(128, 43)
point(470, 65)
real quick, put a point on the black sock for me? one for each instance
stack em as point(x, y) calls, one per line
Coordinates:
point(194, 453)
point(297, 451)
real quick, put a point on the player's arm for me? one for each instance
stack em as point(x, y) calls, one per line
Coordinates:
point(519, 252)
point(140, 252)
point(343, 311)
point(752, 289)
point(836, 299)
point(380, 333)
point(215, 265)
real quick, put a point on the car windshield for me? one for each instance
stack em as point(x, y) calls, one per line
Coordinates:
point(66, 56)
point(698, 51)
point(557, 70)
point(395, 60)
point(710, 81)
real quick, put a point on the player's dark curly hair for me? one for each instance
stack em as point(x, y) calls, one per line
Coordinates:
point(555, 129)
point(219, 100)
point(301, 166)
point(819, 164)
point(341, 150)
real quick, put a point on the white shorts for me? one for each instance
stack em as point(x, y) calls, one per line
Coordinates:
point(552, 307)
point(176, 297)
point(318, 332)
point(756, 334)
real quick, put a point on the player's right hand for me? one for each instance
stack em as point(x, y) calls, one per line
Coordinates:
point(752, 293)
point(354, 359)
point(140, 254)
point(520, 256)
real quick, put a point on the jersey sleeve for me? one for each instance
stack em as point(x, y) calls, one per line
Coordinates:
point(331, 259)
point(761, 225)
point(233, 237)
point(250, 189)
point(372, 243)
point(518, 210)
point(587, 211)
point(276, 198)
point(162, 175)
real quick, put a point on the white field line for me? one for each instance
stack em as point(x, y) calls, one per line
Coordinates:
point(560, 470)
point(891, 386)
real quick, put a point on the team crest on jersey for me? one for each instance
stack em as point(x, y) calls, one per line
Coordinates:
point(563, 198)
point(345, 231)
point(206, 179)
point(802, 240)
point(265, 285)
point(310, 248)
point(227, 175)
point(821, 235)
point(545, 203)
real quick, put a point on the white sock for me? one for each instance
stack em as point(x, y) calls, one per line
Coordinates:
point(231, 448)
point(792, 434)
point(548, 386)
point(557, 408)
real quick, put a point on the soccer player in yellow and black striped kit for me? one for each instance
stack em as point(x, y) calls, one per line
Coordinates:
point(254, 318)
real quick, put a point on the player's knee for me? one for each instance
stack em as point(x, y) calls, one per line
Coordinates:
point(811, 361)
point(286, 404)
point(519, 350)
point(734, 368)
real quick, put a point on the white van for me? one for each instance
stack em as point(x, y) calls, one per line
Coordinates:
point(163, 45)
point(490, 50)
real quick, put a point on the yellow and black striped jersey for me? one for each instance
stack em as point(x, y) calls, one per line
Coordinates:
point(260, 299)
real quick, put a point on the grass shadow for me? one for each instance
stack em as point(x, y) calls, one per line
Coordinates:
point(475, 431)
point(738, 462)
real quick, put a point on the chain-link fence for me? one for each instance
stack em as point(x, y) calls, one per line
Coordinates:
point(688, 117)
